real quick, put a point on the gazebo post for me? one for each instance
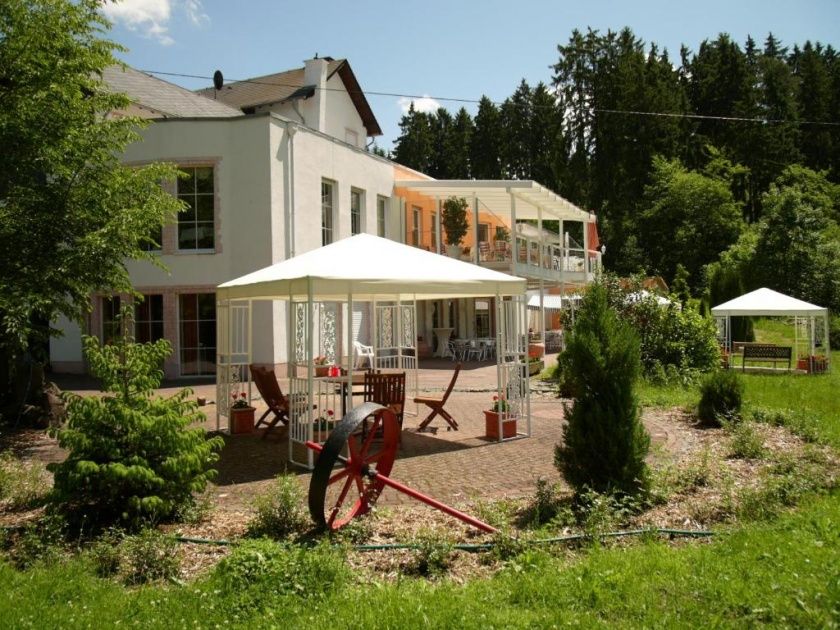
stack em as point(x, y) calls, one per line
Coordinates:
point(350, 351)
point(374, 341)
point(310, 366)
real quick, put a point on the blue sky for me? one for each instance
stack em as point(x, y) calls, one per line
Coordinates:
point(443, 49)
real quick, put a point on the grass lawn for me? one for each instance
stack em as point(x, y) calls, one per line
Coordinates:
point(782, 573)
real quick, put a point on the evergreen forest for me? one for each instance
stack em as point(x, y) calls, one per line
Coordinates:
point(720, 160)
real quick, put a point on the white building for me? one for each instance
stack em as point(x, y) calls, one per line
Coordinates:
point(277, 166)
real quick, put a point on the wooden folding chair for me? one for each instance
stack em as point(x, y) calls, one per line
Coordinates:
point(388, 390)
point(272, 395)
point(436, 405)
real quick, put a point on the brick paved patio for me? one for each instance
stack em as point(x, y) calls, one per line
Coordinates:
point(453, 466)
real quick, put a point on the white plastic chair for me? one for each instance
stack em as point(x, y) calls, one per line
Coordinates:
point(363, 352)
point(475, 350)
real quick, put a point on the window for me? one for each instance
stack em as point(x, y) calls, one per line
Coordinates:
point(198, 334)
point(148, 319)
point(501, 233)
point(381, 212)
point(482, 318)
point(434, 231)
point(196, 229)
point(415, 231)
point(110, 321)
point(355, 211)
point(483, 232)
point(327, 189)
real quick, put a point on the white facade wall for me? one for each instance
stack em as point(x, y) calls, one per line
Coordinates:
point(266, 179)
point(343, 120)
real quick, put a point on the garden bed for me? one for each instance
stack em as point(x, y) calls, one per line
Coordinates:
point(698, 482)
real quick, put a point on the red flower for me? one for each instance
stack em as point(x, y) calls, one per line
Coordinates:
point(242, 395)
point(495, 398)
point(330, 412)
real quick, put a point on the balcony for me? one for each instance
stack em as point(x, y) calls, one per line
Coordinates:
point(531, 251)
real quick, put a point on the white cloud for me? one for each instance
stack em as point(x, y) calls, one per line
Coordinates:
point(152, 17)
point(425, 104)
point(196, 12)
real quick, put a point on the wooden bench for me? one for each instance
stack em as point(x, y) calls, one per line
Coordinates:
point(766, 352)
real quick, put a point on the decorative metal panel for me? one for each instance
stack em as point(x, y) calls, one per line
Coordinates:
point(299, 311)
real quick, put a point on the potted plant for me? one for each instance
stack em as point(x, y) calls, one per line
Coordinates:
point(454, 219)
point(322, 366)
point(499, 409)
point(814, 364)
point(322, 426)
point(241, 414)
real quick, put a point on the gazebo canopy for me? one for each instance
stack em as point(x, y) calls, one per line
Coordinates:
point(370, 268)
point(767, 303)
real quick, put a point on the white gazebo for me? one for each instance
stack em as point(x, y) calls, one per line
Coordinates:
point(768, 303)
point(362, 284)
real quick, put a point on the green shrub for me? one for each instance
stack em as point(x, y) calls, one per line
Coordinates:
point(282, 568)
point(357, 532)
point(721, 396)
point(506, 545)
point(777, 492)
point(133, 458)
point(834, 332)
point(604, 442)
point(804, 425)
point(41, 542)
point(597, 512)
point(668, 335)
point(149, 557)
point(105, 554)
point(23, 485)
point(280, 511)
point(545, 503)
point(432, 555)
point(745, 442)
point(697, 473)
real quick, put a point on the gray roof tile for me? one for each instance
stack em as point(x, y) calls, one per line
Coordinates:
point(166, 99)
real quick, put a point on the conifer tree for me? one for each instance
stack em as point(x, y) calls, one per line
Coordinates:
point(413, 148)
point(604, 442)
point(485, 162)
point(459, 140)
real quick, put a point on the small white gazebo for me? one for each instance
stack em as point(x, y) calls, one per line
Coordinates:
point(768, 303)
point(334, 291)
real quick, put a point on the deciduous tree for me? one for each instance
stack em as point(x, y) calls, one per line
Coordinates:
point(71, 214)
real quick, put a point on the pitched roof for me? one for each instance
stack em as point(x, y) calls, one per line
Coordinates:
point(768, 303)
point(354, 265)
point(161, 97)
point(282, 86)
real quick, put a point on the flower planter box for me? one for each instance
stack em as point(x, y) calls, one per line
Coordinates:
point(322, 370)
point(491, 425)
point(242, 420)
point(813, 365)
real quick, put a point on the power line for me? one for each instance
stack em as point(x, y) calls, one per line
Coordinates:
point(451, 99)
point(725, 118)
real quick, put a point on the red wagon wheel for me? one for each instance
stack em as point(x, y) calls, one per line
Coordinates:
point(344, 482)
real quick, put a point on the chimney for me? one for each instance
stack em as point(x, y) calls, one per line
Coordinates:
point(315, 73)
